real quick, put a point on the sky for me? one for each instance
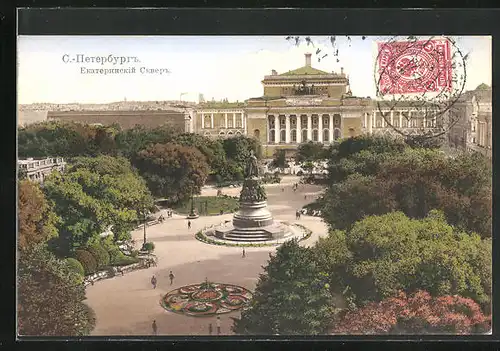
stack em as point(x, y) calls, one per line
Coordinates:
point(219, 67)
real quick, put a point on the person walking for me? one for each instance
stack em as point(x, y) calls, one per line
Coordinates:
point(189, 224)
point(243, 255)
point(217, 323)
point(155, 328)
point(171, 276)
point(153, 281)
point(210, 329)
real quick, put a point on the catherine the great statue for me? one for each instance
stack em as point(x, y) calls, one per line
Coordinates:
point(252, 169)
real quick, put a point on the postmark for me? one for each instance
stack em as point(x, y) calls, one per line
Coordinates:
point(418, 81)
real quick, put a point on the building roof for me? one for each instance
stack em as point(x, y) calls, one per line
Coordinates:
point(305, 70)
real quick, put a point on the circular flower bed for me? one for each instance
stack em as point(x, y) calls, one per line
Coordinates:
point(206, 299)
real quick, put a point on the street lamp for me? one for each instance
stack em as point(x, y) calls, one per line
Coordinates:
point(144, 225)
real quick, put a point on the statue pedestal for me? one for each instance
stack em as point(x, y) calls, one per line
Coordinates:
point(253, 222)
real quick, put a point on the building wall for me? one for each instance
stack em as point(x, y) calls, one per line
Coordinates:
point(126, 119)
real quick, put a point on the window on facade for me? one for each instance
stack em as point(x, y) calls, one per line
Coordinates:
point(405, 123)
point(230, 123)
point(315, 120)
point(303, 121)
point(325, 120)
point(272, 136)
point(395, 123)
point(282, 136)
point(294, 136)
point(256, 134)
point(238, 123)
point(336, 134)
point(379, 123)
point(326, 135)
point(282, 121)
point(222, 123)
point(293, 121)
point(207, 122)
point(337, 121)
point(304, 135)
point(315, 135)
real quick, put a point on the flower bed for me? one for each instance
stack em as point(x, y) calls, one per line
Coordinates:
point(206, 299)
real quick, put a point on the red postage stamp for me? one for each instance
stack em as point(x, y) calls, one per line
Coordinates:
point(409, 67)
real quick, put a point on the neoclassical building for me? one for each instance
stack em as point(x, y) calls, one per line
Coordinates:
point(300, 105)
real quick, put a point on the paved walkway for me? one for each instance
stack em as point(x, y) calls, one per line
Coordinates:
point(127, 305)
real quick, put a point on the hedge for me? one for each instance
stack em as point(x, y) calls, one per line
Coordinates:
point(100, 254)
point(87, 260)
point(75, 266)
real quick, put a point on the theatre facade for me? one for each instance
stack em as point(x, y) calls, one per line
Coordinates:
point(305, 104)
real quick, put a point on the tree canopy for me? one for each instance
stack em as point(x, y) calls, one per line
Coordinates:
point(50, 297)
point(385, 254)
point(292, 297)
point(172, 170)
point(36, 220)
point(92, 195)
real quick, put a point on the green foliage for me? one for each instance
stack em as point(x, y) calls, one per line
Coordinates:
point(310, 152)
point(149, 246)
point(50, 297)
point(93, 194)
point(75, 266)
point(129, 142)
point(173, 171)
point(292, 297)
point(100, 254)
point(279, 159)
point(383, 254)
point(88, 261)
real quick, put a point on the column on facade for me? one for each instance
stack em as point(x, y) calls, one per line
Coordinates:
point(320, 128)
point(202, 120)
point(277, 129)
point(287, 129)
point(298, 129)
point(225, 120)
point(370, 123)
point(234, 120)
point(309, 127)
point(392, 118)
point(400, 119)
point(242, 120)
point(212, 120)
point(330, 129)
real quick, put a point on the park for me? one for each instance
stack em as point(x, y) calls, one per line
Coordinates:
point(127, 305)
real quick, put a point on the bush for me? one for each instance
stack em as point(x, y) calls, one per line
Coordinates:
point(87, 260)
point(75, 266)
point(100, 254)
point(148, 246)
point(125, 260)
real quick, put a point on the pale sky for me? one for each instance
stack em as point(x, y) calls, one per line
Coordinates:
point(221, 67)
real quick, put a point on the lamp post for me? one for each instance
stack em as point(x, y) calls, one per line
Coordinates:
point(192, 206)
point(144, 225)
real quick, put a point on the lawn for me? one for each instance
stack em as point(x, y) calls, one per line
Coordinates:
point(209, 205)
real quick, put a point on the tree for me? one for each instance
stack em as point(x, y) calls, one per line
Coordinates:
point(50, 299)
point(419, 313)
point(129, 142)
point(93, 194)
point(36, 220)
point(392, 252)
point(173, 170)
point(311, 151)
point(279, 159)
point(292, 297)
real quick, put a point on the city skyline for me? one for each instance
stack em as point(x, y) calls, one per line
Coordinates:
point(230, 67)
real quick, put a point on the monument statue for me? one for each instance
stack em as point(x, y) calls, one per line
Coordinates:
point(252, 167)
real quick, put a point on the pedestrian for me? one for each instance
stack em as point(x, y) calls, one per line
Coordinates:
point(243, 254)
point(221, 211)
point(305, 197)
point(171, 276)
point(210, 329)
point(153, 281)
point(282, 190)
point(189, 224)
point(217, 322)
point(155, 328)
